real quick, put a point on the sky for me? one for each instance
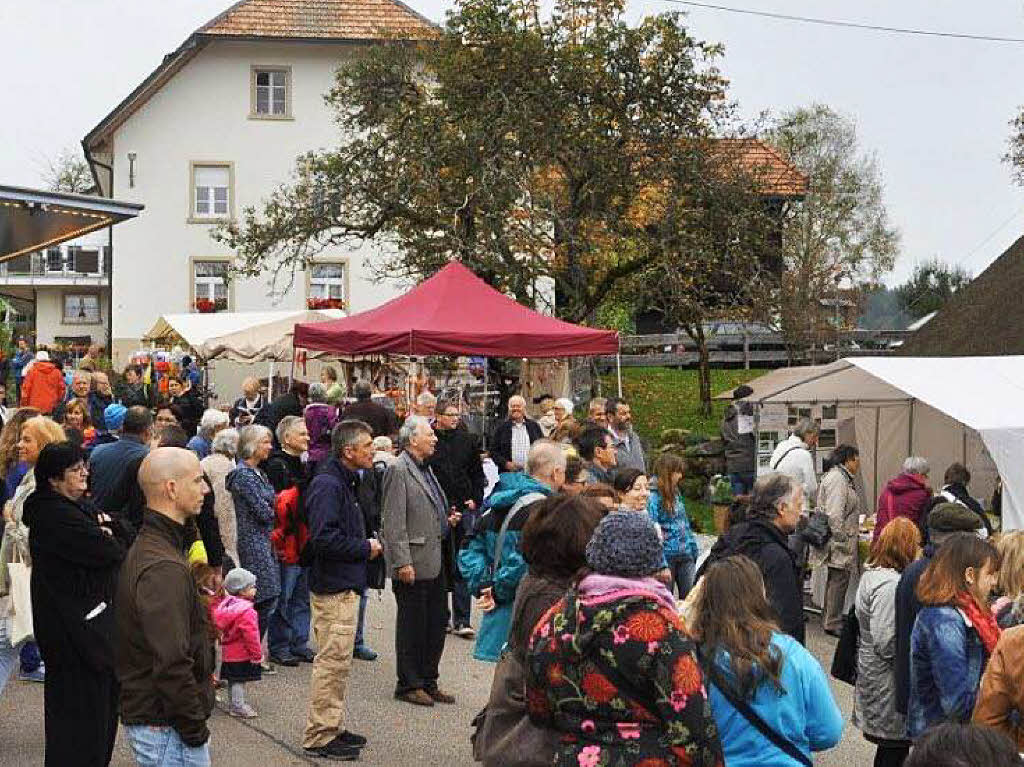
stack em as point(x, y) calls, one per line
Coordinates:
point(934, 110)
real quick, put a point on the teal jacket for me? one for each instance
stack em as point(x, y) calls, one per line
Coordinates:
point(476, 560)
point(678, 539)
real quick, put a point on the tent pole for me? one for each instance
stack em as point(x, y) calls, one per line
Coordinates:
point(270, 379)
point(878, 422)
point(487, 365)
point(910, 434)
point(618, 371)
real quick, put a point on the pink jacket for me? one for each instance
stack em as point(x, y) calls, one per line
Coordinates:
point(239, 630)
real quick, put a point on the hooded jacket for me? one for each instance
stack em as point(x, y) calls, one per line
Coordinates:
point(905, 495)
point(43, 387)
point(320, 419)
point(337, 531)
point(239, 630)
point(476, 560)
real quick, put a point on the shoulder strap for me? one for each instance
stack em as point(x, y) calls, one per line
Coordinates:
point(499, 545)
point(783, 456)
point(786, 746)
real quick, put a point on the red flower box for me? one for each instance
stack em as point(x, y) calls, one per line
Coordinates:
point(325, 303)
point(205, 306)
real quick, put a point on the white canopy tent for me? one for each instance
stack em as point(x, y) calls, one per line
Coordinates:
point(966, 409)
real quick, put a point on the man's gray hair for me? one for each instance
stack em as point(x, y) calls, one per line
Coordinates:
point(517, 398)
point(426, 398)
point(915, 464)
point(225, 442)
point(212, 418)
point(317, 393)
point(81, 375)
point(544, 457)
point(362, 390)
point(286, 425)
point(770, 492)
point(408, 430)
point(346, 434)
point(804, 427)
point(248, 438)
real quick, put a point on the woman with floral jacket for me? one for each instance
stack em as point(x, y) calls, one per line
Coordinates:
point(610, 667)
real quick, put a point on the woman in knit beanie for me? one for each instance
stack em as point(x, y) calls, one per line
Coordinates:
point(610, 667)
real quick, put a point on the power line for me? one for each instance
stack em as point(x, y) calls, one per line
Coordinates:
point(849, 24)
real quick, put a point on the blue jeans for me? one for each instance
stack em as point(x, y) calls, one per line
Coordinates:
point(289, 623)
point(8, 655)
point(359, 624)
point(742, 482)
point(162, 747)
point(683, 570)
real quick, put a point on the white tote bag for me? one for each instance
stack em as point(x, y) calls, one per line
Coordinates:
point(20, 576)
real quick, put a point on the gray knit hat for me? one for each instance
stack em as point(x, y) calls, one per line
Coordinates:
point(238, 580)
point(625, 543)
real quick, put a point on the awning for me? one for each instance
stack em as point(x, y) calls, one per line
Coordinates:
point(238, 336)
point(31, 219)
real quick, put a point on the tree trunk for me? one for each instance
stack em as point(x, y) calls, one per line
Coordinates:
point(704, 368)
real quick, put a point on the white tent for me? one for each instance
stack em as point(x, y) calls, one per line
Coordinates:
point(238, 336)
point(966, 409)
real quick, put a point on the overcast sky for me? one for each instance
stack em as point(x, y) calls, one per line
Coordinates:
point(935, 110)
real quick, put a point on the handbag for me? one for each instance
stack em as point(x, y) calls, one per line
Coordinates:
point(817, 531)
point(20, 576)
point(844, 661)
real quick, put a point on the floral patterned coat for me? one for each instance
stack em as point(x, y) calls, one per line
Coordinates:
point(618, 677)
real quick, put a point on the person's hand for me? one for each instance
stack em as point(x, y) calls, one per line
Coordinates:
point(375, 548)
point(486, 601)
point(454, 517)
point(407, 575)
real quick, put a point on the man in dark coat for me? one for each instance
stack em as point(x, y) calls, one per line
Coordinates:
point(774, 512)
point(945, 521)
point(291, 403)
point(383, 421)
point(457, 465)
point(738, 437)
point(511, 439)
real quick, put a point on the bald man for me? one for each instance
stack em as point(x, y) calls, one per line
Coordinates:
point(165, 658)
point(511, 439)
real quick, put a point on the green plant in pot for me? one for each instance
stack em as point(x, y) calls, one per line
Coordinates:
point(720, 491)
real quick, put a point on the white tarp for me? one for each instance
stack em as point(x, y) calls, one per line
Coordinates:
point(984, 394)
point(238, 336)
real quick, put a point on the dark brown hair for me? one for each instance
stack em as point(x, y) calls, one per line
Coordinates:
point(944, 579)
point(573, 469)
point(665, 466)
point(733, 615)
point(599, 490)
point(896, 547)
point(555, 537)
point(624, 480)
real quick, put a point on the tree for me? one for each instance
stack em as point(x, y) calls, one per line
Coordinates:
point(68, 172)
point(930, 286)
point(840, 236)
point(526, 151)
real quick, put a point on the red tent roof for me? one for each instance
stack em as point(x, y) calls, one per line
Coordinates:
point(455, 313)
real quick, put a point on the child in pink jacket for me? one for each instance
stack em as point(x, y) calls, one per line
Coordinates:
point(239, 639)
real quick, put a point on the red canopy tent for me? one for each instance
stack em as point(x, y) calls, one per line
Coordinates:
point(455, 313)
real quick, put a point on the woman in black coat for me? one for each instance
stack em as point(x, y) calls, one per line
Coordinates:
point(76, 554)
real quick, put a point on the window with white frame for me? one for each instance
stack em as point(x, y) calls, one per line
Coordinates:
point(327, 286)
point(210, 286)
point(211, 187)
point(81, 309)
point(270, 92)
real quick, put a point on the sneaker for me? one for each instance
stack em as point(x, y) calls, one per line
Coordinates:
point(268, 668)
point(347, 738)
point(244, 711)
point(364, 653)
point(335, 751)
point(465, 632)
point(38, 675)
point(304, 654)
point(285, 660)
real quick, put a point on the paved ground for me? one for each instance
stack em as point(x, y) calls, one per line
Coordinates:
point(399, 734)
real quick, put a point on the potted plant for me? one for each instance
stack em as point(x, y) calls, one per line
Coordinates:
point(720, 491)
point(205, 306)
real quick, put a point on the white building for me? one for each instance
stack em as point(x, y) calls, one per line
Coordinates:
point(215, 128)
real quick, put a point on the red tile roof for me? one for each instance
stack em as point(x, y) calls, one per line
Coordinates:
point(321, 20)
point(775, 175)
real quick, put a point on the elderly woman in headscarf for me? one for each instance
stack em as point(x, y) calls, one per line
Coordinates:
point(320, 418)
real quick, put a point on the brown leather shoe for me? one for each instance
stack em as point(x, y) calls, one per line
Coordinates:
point(440, 696)
point(417, 698)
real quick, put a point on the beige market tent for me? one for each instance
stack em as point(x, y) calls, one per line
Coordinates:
point(966, 409)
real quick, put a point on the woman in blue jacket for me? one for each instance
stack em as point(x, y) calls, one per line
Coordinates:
point(666, 507)
point(747, 658)
point(954, 634)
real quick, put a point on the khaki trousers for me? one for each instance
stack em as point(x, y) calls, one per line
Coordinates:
point(334, 628)
point(832, 613)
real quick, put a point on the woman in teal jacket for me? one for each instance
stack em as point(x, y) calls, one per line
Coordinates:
point(678, 540)
point(497, 582)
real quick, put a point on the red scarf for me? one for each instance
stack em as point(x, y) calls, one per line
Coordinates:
point(983, 619)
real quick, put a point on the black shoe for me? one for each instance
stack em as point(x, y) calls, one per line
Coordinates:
point(335, 751)
point(285, 660)
point(832, 633)
point(347, 738)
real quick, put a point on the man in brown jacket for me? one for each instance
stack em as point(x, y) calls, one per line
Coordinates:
point(164, 651)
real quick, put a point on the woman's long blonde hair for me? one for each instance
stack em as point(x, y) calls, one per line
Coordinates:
point(45, 430)
point(10, 435)
point(1011, 571)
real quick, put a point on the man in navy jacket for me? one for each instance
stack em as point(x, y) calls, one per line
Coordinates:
point(338, 551)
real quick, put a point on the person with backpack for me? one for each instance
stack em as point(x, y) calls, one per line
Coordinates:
point(492, 560)
point(288, 631)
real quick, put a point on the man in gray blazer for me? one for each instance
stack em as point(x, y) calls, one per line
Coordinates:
point(415, 521)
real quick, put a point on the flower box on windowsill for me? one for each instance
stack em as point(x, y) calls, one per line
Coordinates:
point(325, 303)
point(206, 306)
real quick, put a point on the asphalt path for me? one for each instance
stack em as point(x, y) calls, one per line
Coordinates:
point(399, 733)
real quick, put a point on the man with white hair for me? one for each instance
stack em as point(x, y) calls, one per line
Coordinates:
point(426, 406)
point(511, 439)
point(415, 521)
point(213, 421)
point(793, 458)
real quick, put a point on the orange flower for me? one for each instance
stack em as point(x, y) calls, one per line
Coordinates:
point(555, 674)
point(686, 676)
point(597, 686)
point(646, 626)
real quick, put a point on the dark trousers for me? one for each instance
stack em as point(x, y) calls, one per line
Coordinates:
point(461, 603)
point(683, 569)
point(891, 756)
point(264, 610)
point(419, 632)
point(80, 715)
point(30, 657)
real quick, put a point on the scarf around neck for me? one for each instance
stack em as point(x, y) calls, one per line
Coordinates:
point(596, 585)
point(983, 620)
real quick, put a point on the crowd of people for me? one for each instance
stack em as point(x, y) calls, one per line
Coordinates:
point(177, 549)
